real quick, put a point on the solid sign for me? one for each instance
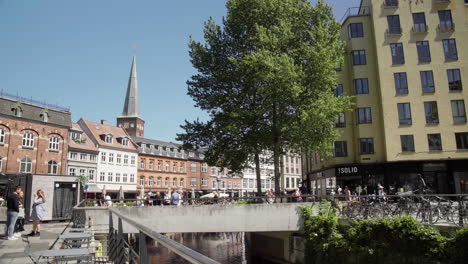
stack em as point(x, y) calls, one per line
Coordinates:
point(349, 170)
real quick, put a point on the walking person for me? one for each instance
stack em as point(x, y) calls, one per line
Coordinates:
point(38, 212)
point(19, 227)
point(13, 203)
point(175, 198)
point(347, 193)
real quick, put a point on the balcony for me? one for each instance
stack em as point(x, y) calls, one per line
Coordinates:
point(441, 1)
point(419, 28)
point(446, 26)
point(355, 11)
point(390, 3)
point(394, 31)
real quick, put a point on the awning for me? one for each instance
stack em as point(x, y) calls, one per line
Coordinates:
point(93, 188)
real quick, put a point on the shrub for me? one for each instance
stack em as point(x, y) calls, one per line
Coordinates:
point(241, 202)
point(457, 247)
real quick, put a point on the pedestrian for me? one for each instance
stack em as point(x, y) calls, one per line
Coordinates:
point(13, 202)
point(297, 195)
point(19, 227)
point(270, 196)
point(175, 197)
point(339, 190)
point(38, 212)
point(181, 197)
point(167, 198)
point(347, 193)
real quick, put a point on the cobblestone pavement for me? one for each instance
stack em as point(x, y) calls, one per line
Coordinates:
point(16, 251)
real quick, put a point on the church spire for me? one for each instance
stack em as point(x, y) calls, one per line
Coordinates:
point(131, 106)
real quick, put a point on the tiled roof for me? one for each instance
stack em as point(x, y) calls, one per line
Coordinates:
point(97, 130)
point(85, 143)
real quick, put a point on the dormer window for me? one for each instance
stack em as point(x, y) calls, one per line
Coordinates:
point(17, 111)
point(108, 139)
point(125, 141)
point(44, 116)
point(191, 154)
point(202, 156)
point(76, 136)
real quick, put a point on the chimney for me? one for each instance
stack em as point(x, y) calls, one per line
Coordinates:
point(104, 122)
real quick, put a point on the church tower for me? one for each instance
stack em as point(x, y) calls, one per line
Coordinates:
point(130, 118)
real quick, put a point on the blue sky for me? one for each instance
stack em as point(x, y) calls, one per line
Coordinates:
point(78, 54)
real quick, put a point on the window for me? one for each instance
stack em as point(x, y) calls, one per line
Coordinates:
point(117, 177)
point(109, 176)
point(355, 30)
point(111, 157)
point(366, 146)
point(339, 90)
point(434, 141)
point(181, 168)
point(181, 183)
point(341, 149)
point(424, 53)
point(54, 143)
point(28, 140)
point(193, 167)
point(364, 115)
point(151, 181)
point(151, 165)
point(174, 167)
point(340, 121)
point(245, 183)
point(124, 177)
point(126, 159)
point(419, 22)
point(102, 176)
point(159, 181)
point(17, 111)
point(454, 79)
point(359, 57)
point(72, 171)
point(458, 111)
point(159, 166)
point(142, 180)
point(398, 57)
point(142, 164)
point(391, 2)
point(404, 113)
point(52, 167)
point(133, 160)
point(119, 158)
point(445, 18)
point(167, 166)
point(213, 171)
point(73, 155)
point(2, 136)
point(193, 182)
point(125, 141)
point(204, 182)
point(431, 112)
point(287, 169)
point(91, 175)
point(427, 82)
point(401, 83)
point(108, 139)
point(394, 24)
point(174, 182)
point(462, 140)
point(191, 154)
point(287, 182)
point(204, 167)
point(92, 157)
point(44, 116)
point(83, 156)
point(361, 86)
point(132, 178)
point(103, 157)
point(82, 172)
point(450, 49)
point(407, 143)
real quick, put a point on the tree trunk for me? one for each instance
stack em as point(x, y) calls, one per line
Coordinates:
point(276, 151)
point(257, 171)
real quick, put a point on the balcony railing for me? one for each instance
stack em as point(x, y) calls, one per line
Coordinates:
point(446, 26)
point(356, 11)
point(33, 102)
point(394, 31)
point(419, 28)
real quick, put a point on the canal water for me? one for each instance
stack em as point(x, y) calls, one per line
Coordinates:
point(222, 247)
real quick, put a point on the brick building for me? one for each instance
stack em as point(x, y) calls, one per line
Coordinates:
point(33, 138)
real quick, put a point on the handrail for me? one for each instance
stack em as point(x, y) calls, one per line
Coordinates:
point(183, 251)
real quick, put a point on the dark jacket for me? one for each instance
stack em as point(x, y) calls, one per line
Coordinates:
point(13, 202)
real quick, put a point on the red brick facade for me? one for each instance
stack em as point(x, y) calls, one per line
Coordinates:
point(165, 169)
point(12, 150)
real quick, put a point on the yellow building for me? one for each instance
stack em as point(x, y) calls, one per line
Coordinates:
point(405, 64)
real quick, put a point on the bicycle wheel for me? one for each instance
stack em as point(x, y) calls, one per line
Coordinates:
point(376, 212)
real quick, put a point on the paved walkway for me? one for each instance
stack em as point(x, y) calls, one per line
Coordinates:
point(15, 251)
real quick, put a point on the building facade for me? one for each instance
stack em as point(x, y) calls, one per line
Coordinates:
point(117, 160)
point(33, 137)
point(405, 66)
point(82, 155)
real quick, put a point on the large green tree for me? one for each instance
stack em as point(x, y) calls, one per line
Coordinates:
point(266, 78)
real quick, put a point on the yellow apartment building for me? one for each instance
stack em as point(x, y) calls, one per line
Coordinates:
point(405, 65)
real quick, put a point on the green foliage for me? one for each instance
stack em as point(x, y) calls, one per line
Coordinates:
point(89, 203)
point(266, 78)
point(83, 180)
point(241, 202)
point(383, 240)
point(130, 203)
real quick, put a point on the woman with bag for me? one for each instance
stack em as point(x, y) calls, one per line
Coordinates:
point(19, 226)
point(38, 212)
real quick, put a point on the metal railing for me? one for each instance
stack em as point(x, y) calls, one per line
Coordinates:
point(355, 11)
point(120, 251)
point(34, 102)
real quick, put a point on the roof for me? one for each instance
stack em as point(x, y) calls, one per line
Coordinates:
point(131, 105)
point(97, 131)
point(85, 143)
point(152, 147)
point(35, 112)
